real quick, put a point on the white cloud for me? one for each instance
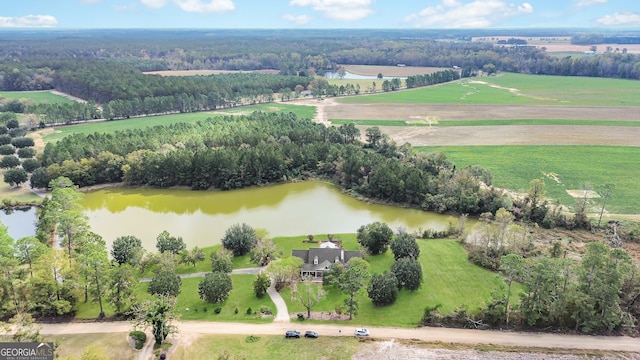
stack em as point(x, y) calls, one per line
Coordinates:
point(341, 10)
point(297, 19)
point(154, 4)
point(475, 14)
point(620, 19)
point(124, 8)
point(203, 6)
point(29, 21)
point(585, 3)
point(91, 1)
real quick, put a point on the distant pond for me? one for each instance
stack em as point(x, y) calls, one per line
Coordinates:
point(202, 217)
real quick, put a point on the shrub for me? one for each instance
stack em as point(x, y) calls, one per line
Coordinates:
point(217, 310)
point(26, 152)
point(249, 311)
point(139, 338)
point(22, 142)
point(7, 149)
point(300, 316)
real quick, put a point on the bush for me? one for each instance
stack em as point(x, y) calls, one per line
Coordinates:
point(26, 152)
point(217, 310)
point(7, 149)
point(300, 316)
point(249, 311)
point(139, 338)
point(22, 142)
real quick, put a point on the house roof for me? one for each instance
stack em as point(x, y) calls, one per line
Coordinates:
point(325, 257)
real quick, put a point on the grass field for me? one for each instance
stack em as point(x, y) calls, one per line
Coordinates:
point(36, 97)
point(241, 296)
point(562, 167)
point(449, 279)
point(516, 89)
point(50, 135)
point(209, 347)
point(365, 122)
point(115, 345)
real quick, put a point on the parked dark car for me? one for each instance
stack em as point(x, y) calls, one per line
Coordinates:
point(292, 334)
point(310, 334)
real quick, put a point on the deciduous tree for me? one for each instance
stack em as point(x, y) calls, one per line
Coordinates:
point(172, 244)
point(215, 287)
point(375, 237)
point(222, 260)
point(351, 281)
point(261, 284)
point(240, 239)
point(408, 272)
point(405, 245)
point(383, 289)
point(127, 250)
point(158, 314)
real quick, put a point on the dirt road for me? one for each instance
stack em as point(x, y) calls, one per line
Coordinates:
point(462, 336)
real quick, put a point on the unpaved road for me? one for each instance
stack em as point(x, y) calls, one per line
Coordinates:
point(445, 335)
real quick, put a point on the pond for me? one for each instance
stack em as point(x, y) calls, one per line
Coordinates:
point(202, 217)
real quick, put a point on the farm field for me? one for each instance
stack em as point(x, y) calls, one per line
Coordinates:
point(400, 71)
point(562, 167)
point(516, 89)
point(36, 97)
point(435, 122)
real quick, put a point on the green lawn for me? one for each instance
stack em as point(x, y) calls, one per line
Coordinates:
point(144, 122)
point(513, 167)
point(516, 89)
point(449, 279)
point(209, 347)
point(36, 97)
point(241, 296)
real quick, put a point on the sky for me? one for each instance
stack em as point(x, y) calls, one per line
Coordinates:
point(319, 14)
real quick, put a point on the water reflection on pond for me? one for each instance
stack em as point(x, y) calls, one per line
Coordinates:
point(201, 217)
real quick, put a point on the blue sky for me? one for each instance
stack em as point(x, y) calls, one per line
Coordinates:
point(284, 14)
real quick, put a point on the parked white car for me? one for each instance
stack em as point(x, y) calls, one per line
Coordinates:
point(362, 332)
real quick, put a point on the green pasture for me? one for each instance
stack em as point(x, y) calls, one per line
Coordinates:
point(36, 97)
point(370, 122)
point(150, 121)
point(449, 279)
point(516, 89)
point(207, 347)
point(562, 167)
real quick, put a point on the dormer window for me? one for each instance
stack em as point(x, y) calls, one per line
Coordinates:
point(315, 260)
point(337, 259)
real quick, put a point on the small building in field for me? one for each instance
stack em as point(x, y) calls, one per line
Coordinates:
point(319, 260)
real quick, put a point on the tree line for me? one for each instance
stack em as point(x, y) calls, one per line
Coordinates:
point(235, 152)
